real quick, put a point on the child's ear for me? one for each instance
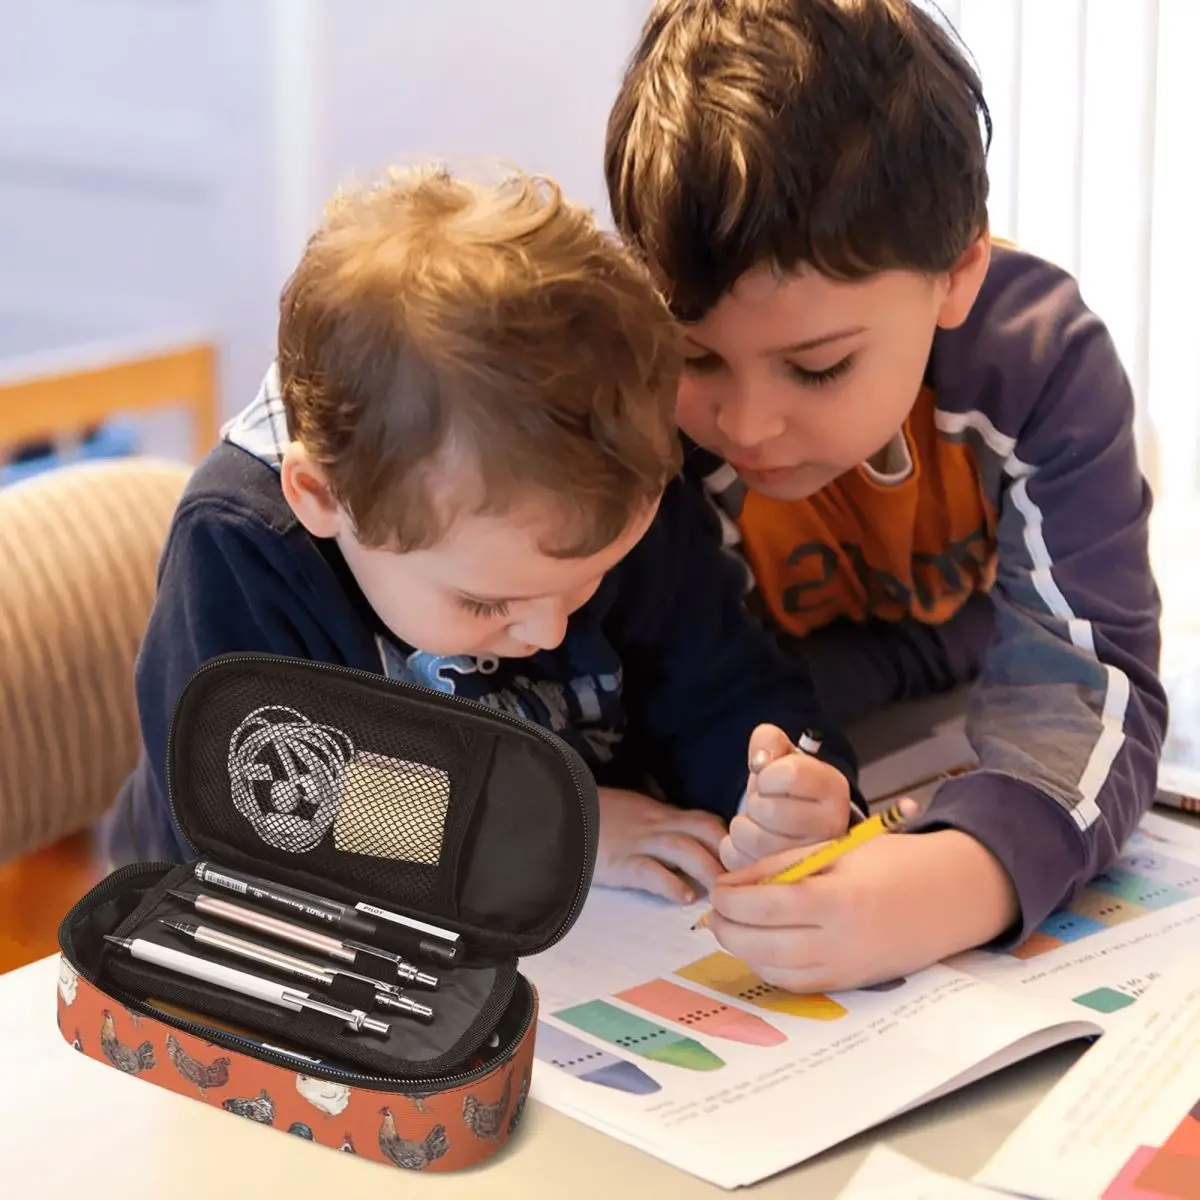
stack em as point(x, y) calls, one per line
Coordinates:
point(308, 494)
point(965, 279)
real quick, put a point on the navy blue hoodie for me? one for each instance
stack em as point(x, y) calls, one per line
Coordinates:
point(661, 674)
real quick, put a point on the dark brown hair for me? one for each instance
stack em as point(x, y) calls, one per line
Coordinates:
point(437, 328)
point(850, 135)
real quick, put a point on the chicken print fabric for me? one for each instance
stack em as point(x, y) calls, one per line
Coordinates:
point(443, 1131)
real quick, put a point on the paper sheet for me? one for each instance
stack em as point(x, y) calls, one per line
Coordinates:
point(887, 1175)
point(654, 1035)
point(1124, 1122)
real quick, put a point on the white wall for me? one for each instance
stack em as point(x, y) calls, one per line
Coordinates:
point(161, 161)
point(105, 181)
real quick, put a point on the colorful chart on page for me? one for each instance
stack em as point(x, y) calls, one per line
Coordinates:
point(673, 1002)
point(639, 1036)
point(591, 1064)
point(731, 977)
point(1143, 881)
point(1167, 1172)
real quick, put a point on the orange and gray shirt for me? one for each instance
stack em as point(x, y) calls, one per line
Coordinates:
point(1015, 474)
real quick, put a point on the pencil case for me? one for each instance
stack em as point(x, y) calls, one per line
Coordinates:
point(366, 791)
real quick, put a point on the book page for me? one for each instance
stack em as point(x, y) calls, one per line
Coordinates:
point(888, 1175)
point(653, 1034)
point(1124, 1122)
point(1111, 943)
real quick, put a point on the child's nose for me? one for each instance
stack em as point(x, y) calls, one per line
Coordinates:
point(748, 421)
point(543, 624)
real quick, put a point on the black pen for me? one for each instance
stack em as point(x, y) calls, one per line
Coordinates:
point(430, 941)
point(277, 895)
point(343, 950)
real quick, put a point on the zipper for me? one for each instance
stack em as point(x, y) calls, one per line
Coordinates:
point(427, 695)
point(426, 1085)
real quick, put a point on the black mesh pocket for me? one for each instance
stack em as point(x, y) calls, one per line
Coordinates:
point(314, 771)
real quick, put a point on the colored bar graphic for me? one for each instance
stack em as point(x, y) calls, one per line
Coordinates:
point(589, 1063)
point(630, 1032)
point(1153, 864)
point(1144, 880)
point(673, 1002)
point(731, 977)
point(1067, 925)
point(1137, 889)
point(1036, 943)
point(1105, 1000)
point(1107, 910)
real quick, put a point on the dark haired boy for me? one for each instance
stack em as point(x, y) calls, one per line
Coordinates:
point(922, 441)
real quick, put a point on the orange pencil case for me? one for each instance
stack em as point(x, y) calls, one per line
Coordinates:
point(396, 802)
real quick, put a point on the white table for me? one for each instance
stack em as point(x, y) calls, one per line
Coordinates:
point(72, 1127)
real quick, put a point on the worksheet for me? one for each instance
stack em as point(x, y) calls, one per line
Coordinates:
point(652, 1033)
point(1124, 1122)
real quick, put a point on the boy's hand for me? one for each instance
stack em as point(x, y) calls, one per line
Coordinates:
point(792, 799)
point(895, 905)
point(656, 847)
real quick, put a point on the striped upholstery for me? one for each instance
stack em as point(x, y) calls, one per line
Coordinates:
point(79, 551)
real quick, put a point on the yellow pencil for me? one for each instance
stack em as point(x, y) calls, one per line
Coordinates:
point(884, 822)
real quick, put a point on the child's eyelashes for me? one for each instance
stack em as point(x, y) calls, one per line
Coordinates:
point(826, 375)
point(710, 364)
point(484, 608)
point(701, 364)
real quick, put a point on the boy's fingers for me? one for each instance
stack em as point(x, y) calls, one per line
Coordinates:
point(684, 854)
point(795, 819)
point(793, 948)
point(804, 980)
point(770, 906)
point(757, 871)
point(705, 827)
point(801, 775)
point(649, 875)
point(732, 859)
point(752, 841)
point(767, 743)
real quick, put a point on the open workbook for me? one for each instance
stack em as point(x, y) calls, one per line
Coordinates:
point(651, 1033)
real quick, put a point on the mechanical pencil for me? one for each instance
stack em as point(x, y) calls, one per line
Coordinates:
point(243, 983)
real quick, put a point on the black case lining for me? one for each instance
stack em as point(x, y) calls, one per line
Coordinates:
point(468, 1004)
point(82, 941)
